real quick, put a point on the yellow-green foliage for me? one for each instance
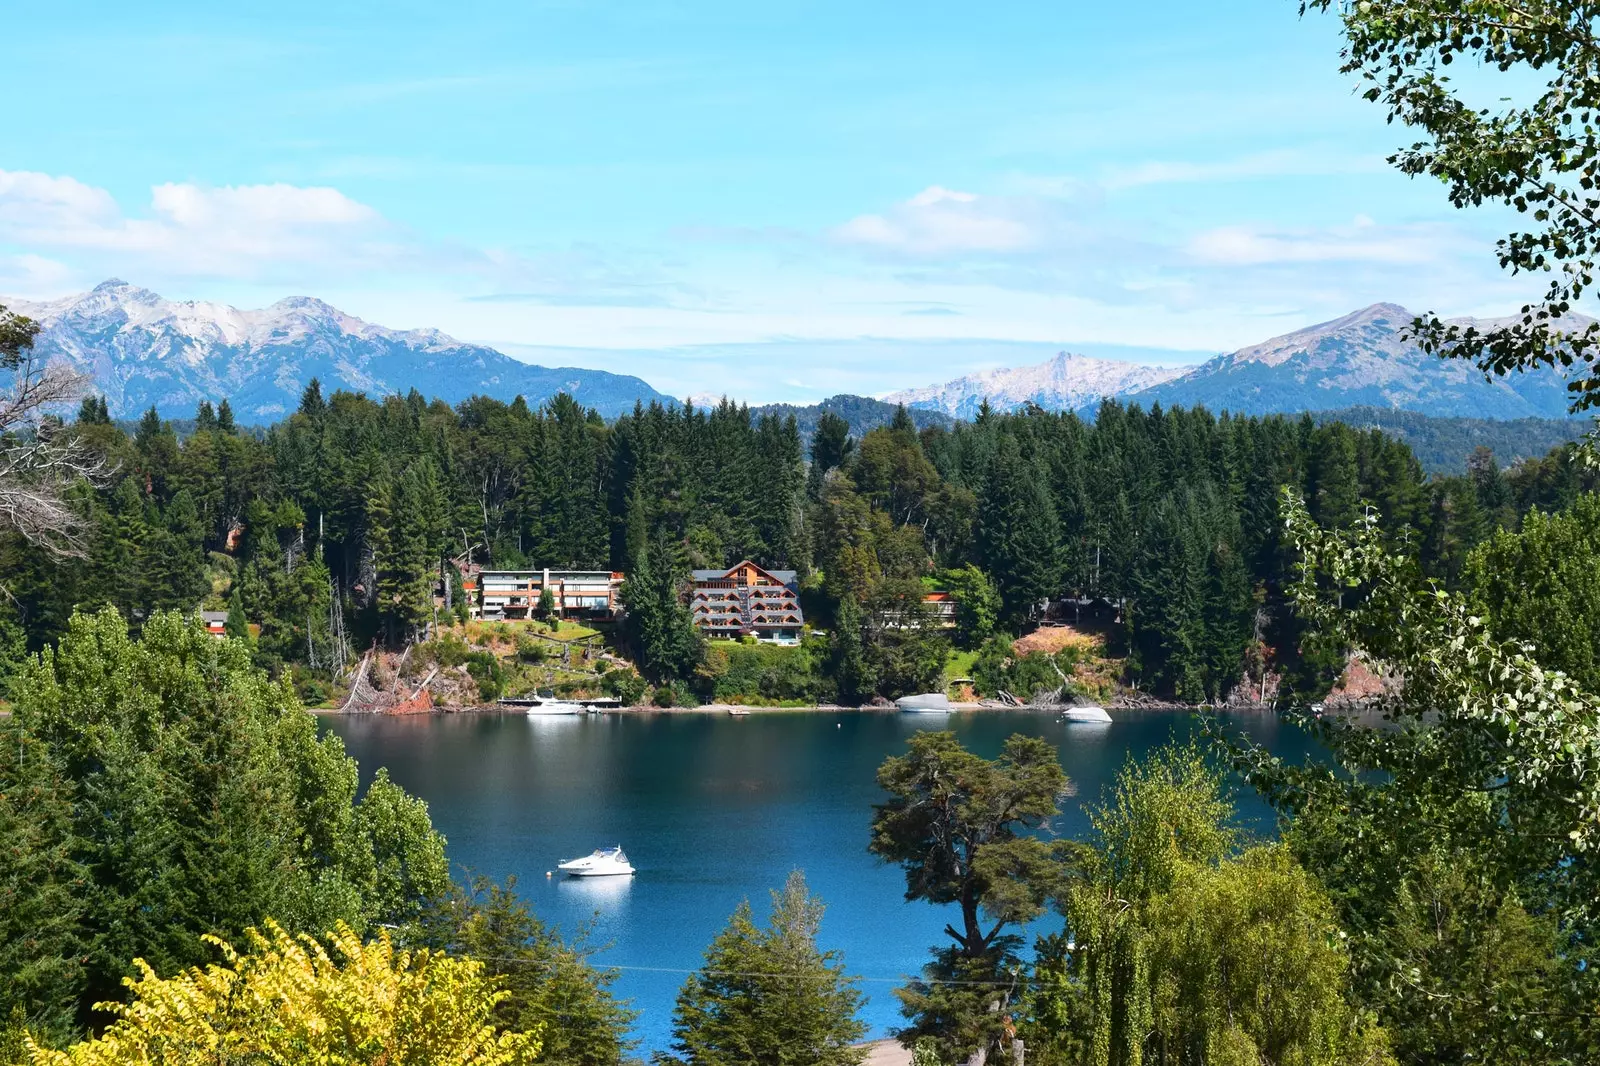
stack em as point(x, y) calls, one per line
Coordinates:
point(292, 1000)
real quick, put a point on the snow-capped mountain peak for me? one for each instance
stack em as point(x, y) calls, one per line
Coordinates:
point(1065, 382)
point(144, 350)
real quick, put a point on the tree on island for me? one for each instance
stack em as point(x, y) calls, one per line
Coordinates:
point(769, 996)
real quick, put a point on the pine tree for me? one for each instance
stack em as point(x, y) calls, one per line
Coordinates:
point(225, 417)
point(769, 996)
point(237, 626)
point(659, 624)
point(1018, 536)
point(311, 402)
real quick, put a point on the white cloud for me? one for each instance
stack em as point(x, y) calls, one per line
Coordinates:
point(1364, 241)
point(235, 231)
point(939, 222)
point(1275, 163)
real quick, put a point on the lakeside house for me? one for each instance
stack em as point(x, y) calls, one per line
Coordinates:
point(747, 599)
point(587, 595)
point(216, 622)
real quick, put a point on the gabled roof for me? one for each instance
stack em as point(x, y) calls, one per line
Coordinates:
point(783, 577)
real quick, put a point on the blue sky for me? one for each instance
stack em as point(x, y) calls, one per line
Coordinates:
point(779, 201)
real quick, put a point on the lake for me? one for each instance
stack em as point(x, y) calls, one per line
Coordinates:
point(713, 810)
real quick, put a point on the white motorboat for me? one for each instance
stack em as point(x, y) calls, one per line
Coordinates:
point(1086, 714)
point(545, 708)
point(604, 862)
point(927, 703)
point(738, 712)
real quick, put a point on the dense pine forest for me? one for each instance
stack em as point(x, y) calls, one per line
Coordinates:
point(346, 523)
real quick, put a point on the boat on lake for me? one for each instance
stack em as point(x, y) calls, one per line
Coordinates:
point(602, 862)
point(738, 712)
point(546, 708)
point(1092, 714)
point(927, 703)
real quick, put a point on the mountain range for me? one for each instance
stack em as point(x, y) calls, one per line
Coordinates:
point(1358, 360)
point(145, 351)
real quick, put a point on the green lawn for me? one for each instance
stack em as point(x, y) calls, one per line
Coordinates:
point(959, 664)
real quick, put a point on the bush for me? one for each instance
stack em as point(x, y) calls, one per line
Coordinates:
point(290, 999)
point(625, 685)
point(484, 668)
point(745, 673)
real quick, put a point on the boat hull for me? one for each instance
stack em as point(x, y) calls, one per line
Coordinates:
point(1094, 715)
point(927, 703)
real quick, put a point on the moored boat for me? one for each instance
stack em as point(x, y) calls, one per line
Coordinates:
point(545, 708)
point(602, 862)
point(738, 712)
point(1086, 714)
point(926, 703)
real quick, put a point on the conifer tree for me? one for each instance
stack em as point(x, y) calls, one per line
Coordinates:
point(769, 996)
point(1018, 535)
point(663, 635)
point(237, 626)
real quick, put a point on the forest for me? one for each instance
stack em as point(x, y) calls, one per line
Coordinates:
point(345, 524)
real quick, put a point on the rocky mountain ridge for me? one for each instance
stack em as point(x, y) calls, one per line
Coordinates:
point(143, 350)
point(1357, 360)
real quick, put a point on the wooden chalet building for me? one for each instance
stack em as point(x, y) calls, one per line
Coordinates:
point(747, 599)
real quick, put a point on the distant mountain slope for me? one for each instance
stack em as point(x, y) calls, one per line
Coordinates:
point(1443, 445)
point(860, 412)
point(144, 351)
point(1359, 360)
point(1067, 382)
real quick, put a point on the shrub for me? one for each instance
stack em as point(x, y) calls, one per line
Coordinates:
point(290, 999)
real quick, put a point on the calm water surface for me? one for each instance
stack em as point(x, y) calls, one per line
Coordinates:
point(713, 810)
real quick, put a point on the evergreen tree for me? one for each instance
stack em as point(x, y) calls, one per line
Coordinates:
point(848, 663)
point(1542, 586)
point(205, 419)
point(311, 402)
point(1018, 536)
point(202, 802)
point(550, 987)
point(237, 626)
point(225, 417)
point(769, 996)
point(663, 635)
point(963, 828)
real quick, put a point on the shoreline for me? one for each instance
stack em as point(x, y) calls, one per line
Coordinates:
point(754, 709)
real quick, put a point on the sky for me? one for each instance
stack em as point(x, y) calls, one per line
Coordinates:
point(775, 201)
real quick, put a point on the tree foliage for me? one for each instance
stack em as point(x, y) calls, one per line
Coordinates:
point(169, 789)
point(548, 986)
point(1459, 843)
point(963, 829)
point(295, 999)
point(1541, 585)
point(1178, 950)
point(769, 996)
point(1537, 150)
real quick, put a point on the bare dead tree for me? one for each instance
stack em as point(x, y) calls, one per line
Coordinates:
point(40, 458)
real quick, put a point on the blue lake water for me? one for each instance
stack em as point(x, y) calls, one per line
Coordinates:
point(713, 810)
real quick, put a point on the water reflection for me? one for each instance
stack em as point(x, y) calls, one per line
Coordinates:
point(596, 893)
